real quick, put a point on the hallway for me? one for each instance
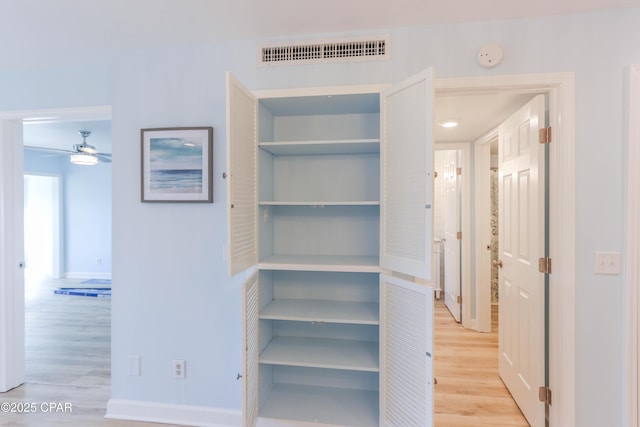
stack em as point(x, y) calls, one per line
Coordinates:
point(469, 392)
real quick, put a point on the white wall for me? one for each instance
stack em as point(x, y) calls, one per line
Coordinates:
point(172, 298)
point(86, 213)
point(87, 220)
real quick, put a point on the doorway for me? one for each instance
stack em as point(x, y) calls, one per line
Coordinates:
point(559, 89)
point(451, 223)
point(57, 192)
point(12, 297)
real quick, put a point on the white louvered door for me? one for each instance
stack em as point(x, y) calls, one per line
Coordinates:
point(242, 185)
point(251, 352)
point(406, 324)
point(406, 352)
point(407, 176)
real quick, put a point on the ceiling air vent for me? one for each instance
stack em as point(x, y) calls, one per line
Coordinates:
point(362, 49)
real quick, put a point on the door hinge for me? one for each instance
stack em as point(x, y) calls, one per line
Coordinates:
point(544, 265)
point(459, 235)
point(458, 171)
point(544, 394)
point(459, 299)
point(544, 135)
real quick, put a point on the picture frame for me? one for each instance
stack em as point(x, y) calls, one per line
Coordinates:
point(177, 164)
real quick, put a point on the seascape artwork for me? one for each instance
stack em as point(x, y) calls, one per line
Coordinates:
point(176, 165)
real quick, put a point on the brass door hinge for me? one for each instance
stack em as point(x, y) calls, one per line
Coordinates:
point(459, 299)
point(544, 135)
point(459, 235)
point(458, 171)
point(544, 394)
point(544, 265)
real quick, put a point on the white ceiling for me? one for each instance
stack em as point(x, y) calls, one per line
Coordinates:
point(52, 32)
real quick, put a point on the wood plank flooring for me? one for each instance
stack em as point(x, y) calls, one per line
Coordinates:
point(469, 392)
point(68, 346)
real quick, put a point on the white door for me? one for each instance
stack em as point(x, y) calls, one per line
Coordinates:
point(251, 353)
point(406, 353)
point(12, 349)
point(406, 324)
point(451, 226)
point(522, 243)
point(406, 159)
point(241, 175)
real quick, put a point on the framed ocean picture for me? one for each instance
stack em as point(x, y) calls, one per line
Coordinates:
point(177, 164)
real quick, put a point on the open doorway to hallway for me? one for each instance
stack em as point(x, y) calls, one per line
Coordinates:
point(518, 141)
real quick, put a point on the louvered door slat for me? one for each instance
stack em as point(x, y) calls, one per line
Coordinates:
point(242, 183)
point(407, 343)
point(407, 176)
point(251, 353)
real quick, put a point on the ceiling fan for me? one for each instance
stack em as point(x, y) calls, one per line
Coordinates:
point(80, 154)
point(85, 154)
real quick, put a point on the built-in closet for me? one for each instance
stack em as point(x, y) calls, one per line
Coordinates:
point(330, 217)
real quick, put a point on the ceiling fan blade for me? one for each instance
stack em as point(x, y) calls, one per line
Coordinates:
point(104, 158)
point(58, 151)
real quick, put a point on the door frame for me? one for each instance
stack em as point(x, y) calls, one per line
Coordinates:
point(632, 269)
point(12, 349)
point(482, 217)
point(465, 225)
point(560, 90)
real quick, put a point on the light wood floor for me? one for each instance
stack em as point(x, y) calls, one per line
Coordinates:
point(68, 346)
point(469, 392)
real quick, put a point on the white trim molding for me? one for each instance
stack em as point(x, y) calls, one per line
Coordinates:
point(560, 88)
point(186, 415)
point(481, 227)
point(97, 112)
point(632, 261)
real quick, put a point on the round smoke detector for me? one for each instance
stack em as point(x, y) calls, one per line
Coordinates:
point(490, 55)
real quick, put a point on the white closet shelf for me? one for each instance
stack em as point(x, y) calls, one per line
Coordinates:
point(360, 313)
point(338, 263)
point(321, 405)
point(321, 203)
point(323, 353)
point(344, 146)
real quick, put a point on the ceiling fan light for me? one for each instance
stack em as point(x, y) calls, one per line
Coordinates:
point(83, 159)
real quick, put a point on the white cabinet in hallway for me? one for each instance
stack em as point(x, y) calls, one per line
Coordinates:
point(329, 199)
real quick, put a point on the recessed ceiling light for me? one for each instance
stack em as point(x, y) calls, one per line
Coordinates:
point(448, 123)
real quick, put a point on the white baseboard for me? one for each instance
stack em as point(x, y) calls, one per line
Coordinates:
point(200, 416)
point(86, 275)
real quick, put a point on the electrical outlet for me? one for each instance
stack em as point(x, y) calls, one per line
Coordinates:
point(607, 263)
point(179, 367)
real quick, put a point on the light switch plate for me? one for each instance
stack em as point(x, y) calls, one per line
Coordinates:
point(607, 263)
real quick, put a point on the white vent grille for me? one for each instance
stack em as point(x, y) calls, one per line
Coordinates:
point(372, 48)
